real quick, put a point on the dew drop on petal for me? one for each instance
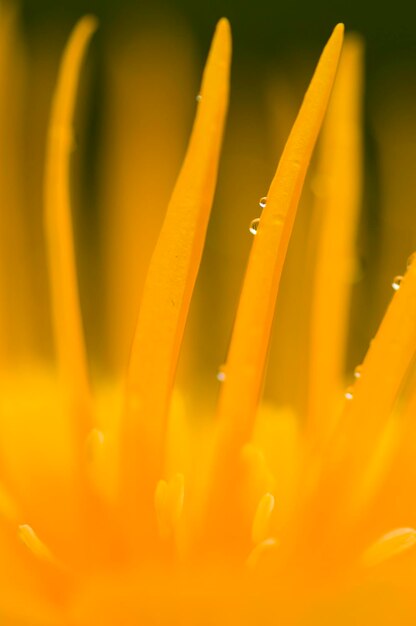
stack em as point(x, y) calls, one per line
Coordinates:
point(254, 224)
point(397, 280)
point(221, 375)
point(349, 394)
point(198, 98)
point(263, 202)
point(357, 371)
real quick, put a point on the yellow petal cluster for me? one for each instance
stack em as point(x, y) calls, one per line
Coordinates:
point(120, 504)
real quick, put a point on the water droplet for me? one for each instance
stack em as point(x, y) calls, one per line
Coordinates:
point(397, 280)
point(254, 226)
point(349, 394)
point(221, 375)
point(411, 259)
point(263, 201)
point(198, 98)
point(357, 371)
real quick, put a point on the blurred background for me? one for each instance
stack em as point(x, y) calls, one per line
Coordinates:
point(135, 112)
point(261, 30)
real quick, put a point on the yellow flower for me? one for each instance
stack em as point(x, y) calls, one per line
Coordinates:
point(117, 506)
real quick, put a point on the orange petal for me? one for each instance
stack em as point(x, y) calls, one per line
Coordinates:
point(337, 203)
point(250, 340)
point(170, 281)
point(61, 262)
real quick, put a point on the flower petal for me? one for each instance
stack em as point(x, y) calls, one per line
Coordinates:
point(169, 285)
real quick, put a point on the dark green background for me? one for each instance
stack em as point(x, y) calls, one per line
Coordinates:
point(261, 27)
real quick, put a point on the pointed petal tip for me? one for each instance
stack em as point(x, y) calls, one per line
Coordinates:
point(223, 30)
point(91, 22)
point(338, 33)
point(334, 45)
point(220, 51)
point(224, 24)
